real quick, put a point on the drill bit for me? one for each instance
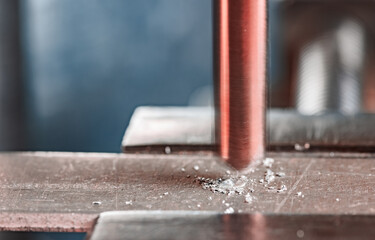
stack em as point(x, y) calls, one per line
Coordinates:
point(239, 69)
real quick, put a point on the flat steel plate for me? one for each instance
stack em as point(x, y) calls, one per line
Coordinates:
point(66, 191)
point(191, 129)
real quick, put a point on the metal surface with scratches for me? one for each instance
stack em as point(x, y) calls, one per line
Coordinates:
point(67, 191)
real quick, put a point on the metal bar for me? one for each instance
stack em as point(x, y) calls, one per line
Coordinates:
point(191, 130)
point(239, 66)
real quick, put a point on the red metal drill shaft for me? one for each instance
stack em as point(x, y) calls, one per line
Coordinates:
point(239, 68)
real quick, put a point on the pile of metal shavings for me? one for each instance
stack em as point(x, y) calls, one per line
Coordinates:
point(243, 185)
point(228, 186)
point(270, 176)
point(268, 162)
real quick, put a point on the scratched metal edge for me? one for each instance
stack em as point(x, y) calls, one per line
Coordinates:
point(133, 142)
point(204, 155)
point(152, 112)
point(175, 148)
point(117, 215)
point(47, 222)
point(100, 155)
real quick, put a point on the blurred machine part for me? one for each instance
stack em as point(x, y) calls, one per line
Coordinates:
point(325, 50)
point(330, 71)
point(11, 112)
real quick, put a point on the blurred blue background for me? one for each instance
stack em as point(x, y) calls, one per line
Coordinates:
point(87, 64)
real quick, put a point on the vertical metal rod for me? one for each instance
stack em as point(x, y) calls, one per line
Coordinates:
point(239, 72)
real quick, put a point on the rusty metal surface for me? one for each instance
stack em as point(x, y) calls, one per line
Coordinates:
point(211, 225)
point(67, 191)
point(186, 129)
point(239, 69)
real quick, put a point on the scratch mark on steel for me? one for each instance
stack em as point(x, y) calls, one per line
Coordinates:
point(42, 200)
point(358, 204)
point(291, 205)
point(282, 203)
point(114, 164)
point(116, 198)
point(350, 173)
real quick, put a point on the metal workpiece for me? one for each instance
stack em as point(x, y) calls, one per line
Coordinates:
point(190, 130)
point(239, 77)
point(170, 130)
point(65, 192)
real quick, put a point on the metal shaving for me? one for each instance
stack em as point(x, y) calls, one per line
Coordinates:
point(268, 162)
point(269, 176)
point(282, 189)
point(229, 210)
point(248, 198)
